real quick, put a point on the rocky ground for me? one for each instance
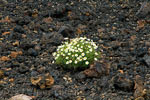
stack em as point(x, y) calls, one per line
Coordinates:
point(30, 30)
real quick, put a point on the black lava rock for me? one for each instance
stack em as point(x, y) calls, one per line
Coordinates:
point(122, 82)
point(53, 38)
point(144, 10)
point(26, 45)
point(32, 52)
point(19, 29)
point(147, 60)
point(80, 76)
point(66, 31)
point(23, 20)
point(23, 69)
point(140, 52)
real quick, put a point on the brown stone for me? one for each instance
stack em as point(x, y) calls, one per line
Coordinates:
point(139, 87)
point(48, 20)
point(97, 69)
point(43, 82)
point(15, 54)
point(1, 74)
point(5, 33)
point(4, 58)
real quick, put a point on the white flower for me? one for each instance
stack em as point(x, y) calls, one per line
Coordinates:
point(75, 62)
point(95, 59)
point(85, 58)
point(83, 54)
point(92, 43)
point(54, 54)
point(62, 54)
point(71, 47)
point(67, 57)
point(75, 47)
point(80, 59)
point(70, 61)
point(87, 52)
point(57, 55)
point(69, 53)
point(89, 46)
point(95, 47)
point(81, 46)
point(66, 43)
point(61, 49)
point(88, 39)
point(86, 62)
point(76, 55)
point(53, 62)
point(82, 38)
point(91, 50)
point(57, 49)
point(86, 42)
point(76, 51)
point(66, 50)
point(71, 50)
point(80, 50)
point(67, 62)
point(75, 42)
point(96, 53)
point(66, 38)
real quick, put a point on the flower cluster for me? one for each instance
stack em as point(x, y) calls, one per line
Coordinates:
point(79, 52)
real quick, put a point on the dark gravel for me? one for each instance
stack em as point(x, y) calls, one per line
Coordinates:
point(30, 30)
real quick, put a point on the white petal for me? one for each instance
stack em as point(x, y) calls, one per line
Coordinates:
point(95, 59)
point(86, 62)
point(75, 62)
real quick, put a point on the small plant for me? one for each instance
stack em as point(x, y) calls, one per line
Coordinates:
point(79, 52)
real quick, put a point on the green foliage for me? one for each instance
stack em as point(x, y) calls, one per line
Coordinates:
point(79, 52)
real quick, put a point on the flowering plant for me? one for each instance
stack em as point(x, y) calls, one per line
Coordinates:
point(79, 52)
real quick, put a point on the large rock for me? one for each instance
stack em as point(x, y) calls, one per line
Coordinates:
point(52, 38)
point(66, 31)
point(147, 60)
point(139, 88)
point(123, 82)
point(98, 69)
point(144, 10)
point(21, 97)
